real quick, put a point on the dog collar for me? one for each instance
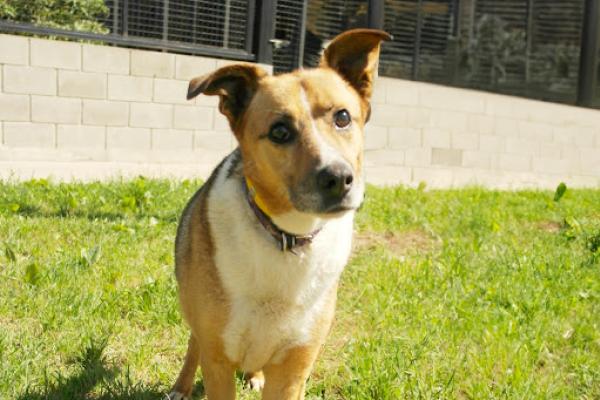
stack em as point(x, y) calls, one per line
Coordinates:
point(287, 241)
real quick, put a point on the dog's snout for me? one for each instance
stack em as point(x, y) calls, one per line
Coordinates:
point(335, 180)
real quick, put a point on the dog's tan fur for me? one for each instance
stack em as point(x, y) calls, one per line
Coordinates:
point(205, 303)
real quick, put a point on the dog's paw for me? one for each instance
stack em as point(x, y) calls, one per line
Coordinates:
point(176, 396)
point(256, 381)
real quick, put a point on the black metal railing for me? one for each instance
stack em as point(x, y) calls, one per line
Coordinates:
point(542, 49)
point(215, 28)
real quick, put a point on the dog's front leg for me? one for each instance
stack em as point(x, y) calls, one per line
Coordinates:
point(286, 380)
point(218, 377)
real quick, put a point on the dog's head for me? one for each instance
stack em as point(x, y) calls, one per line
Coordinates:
point(301, 133)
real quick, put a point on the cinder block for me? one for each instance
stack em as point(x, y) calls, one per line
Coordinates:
point(131, 88)
point(522, 147)
point(401, 93)
point(388, 115)
point(535, 131)
point(55, 53)
point(375, 137)
point(29, 80)
point(55, 109)
point(204, 100)
point(152, 63)
point(378, 95)
point(590, 161)
point(418, 157)
point(14, 50)
point(499, 105)
point(384, 157)
point(480, 124)
point(188, 67)
point(476, 159)
point(212, 140)
point(550, 166)
point(563, 135)
point(449, 157)
point(76, 136)
point(149, 115)
point(436, 137)
point(14, 107)
point(418, 117)
point(584, 137)
point(82, 84)
point(221, 123)
point(465, 141)
point(114, 60)
point(171, 91)
point(172, 139)
point(454, 121)
point(128, 138)
point(193, 117)
point(26, 134)
point(452, 99)
point(105, 113)
point(491, 144)
point(514, 162)
point(506, 127)
point(550, 150)
point(403, 138)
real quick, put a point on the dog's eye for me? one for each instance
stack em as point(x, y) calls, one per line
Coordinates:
point(280, 134)
point(342, 119)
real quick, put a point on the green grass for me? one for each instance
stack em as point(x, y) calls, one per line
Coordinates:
point(466, 294)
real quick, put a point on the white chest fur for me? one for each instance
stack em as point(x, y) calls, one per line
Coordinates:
point(275, 296)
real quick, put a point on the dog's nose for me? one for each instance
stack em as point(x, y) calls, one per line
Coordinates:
point(335, 180)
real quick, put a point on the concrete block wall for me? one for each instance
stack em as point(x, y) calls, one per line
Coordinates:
point(83, 111)
point(454, 137)
point(77, 110)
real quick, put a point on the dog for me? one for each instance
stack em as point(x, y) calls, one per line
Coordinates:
point(261, 246)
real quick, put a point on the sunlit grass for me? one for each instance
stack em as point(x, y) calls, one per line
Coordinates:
point(450, 294)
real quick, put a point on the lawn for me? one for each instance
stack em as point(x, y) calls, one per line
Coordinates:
point(450, 294)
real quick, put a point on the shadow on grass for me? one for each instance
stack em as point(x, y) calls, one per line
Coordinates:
point(93, 215)
point(96, 379)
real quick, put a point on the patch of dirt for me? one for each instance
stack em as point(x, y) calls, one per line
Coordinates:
point(398, 243)
point(549, 226)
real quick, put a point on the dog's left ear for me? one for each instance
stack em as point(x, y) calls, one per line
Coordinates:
point(354, 55)
point(234, 84)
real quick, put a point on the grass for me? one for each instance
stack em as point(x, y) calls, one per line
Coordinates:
point(455, 294)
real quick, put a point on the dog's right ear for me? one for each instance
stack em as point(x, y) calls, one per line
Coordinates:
point(234, 84)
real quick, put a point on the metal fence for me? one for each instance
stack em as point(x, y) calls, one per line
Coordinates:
point(543, 49)
point(531, 48)
point(215, 28)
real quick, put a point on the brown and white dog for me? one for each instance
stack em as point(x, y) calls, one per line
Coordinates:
point(261, 246)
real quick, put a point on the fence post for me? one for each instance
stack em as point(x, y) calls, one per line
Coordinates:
point(265, 24)
point(588, 63)
point(376, 14)
point(417, 48)
point(125, 17)
point(302, 38)
point(165, 32)
point(115, 18)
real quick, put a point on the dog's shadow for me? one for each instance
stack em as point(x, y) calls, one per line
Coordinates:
point(96, 378)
